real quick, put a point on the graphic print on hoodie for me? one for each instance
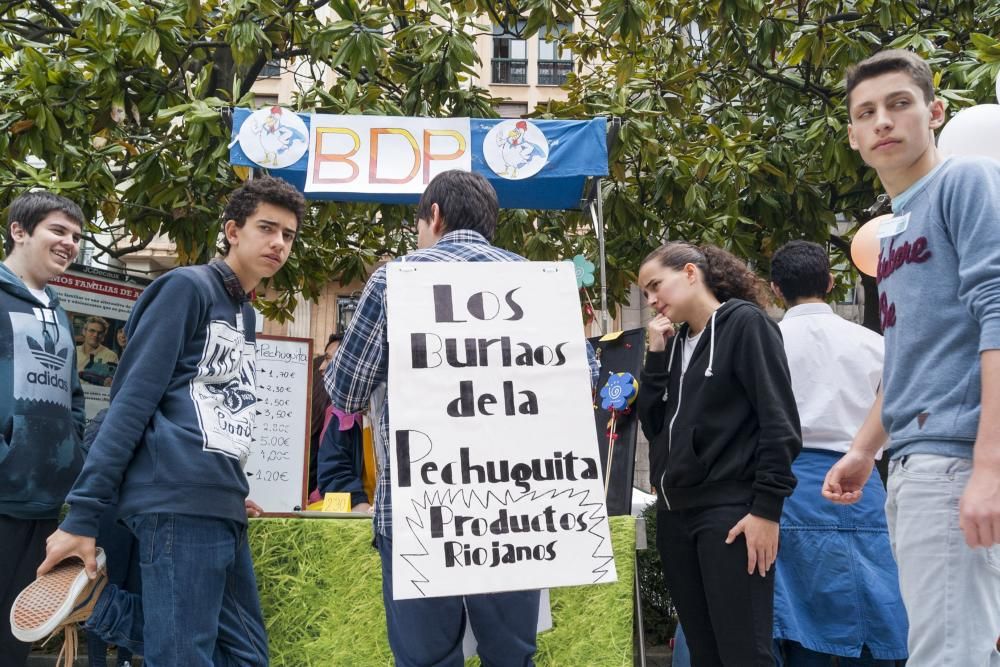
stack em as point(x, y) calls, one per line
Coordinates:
point(223, 390)
point(41, 403)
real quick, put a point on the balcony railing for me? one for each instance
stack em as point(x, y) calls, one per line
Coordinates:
point(509, 70)
point(270, 70)
point(553, 72)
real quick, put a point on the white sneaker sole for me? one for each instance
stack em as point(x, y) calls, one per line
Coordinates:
point(43, 602)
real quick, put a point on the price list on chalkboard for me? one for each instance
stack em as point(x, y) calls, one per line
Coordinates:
point(278, 463)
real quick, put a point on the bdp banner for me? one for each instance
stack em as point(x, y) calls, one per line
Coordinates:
point(496, 481)
point(531, 163)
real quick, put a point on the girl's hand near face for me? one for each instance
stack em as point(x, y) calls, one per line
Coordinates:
point(762, 542)
point(659, 330)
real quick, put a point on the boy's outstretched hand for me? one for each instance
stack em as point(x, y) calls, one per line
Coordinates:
point(846, 480)
point(253, 509)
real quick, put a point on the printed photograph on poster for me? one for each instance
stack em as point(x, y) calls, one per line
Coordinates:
point(98, 304)
point(99, 345)
point(496, 480)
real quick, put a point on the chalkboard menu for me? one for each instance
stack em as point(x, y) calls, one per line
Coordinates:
point(278, 466)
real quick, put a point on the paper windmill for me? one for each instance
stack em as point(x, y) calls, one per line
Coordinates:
point(620, 391)
point(584, 271)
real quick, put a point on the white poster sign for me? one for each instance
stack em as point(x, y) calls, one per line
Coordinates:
point(278, 467)
point(496, 482)
point(384, 154)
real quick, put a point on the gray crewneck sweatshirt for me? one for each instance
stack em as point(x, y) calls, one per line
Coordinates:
point(939, 298)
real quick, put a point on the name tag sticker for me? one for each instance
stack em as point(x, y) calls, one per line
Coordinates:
point(893, 226)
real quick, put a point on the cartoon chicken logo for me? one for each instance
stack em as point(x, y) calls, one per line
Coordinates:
point(274, 137)
point(515, 149)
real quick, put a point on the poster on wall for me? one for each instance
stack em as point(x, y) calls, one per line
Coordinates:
point(496, 481)
point(98, 304)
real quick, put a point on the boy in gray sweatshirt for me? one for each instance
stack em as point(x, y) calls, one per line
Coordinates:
point(939, 297)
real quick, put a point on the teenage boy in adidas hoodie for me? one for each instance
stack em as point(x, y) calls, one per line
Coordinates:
point(41, 403)
point(939, 295)
point(173, 445)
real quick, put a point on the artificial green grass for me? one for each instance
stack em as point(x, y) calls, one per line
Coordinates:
point(320, 585)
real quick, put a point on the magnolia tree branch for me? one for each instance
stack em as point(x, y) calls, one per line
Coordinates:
point(50, 9)
point(116, 251)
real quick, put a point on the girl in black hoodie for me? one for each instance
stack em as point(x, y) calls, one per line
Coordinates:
point(716, 404)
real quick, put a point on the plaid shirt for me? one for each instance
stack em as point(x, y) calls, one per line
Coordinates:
point(230, 280)
point(361, 364)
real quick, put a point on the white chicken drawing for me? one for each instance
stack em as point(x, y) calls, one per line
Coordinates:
point(516, 151)
point(275, 137)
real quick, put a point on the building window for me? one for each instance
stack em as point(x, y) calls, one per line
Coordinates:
point(271, 69)
point(512, 109)
point(347, 307)
point(510, 55)
point(554, 60)
point(264, 101)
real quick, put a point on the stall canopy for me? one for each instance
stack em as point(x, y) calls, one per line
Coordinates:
point(534, 164)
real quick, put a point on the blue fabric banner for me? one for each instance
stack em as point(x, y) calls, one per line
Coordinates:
point(534, 164)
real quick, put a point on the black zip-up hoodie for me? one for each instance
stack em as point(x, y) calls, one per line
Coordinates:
point(727, 430)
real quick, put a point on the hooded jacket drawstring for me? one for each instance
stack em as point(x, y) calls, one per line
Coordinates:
point(670, 364)
point(711, 347)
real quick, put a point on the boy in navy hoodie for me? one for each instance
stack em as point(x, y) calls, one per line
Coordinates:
point(41, 403)
point(172, 447)
point(939, 296)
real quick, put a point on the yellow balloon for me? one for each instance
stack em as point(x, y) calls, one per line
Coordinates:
point(865, 245)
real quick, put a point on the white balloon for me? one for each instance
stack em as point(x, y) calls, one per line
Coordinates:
point(998, 86)
point(972, 131)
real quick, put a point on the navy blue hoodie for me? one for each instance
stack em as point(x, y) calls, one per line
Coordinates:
point(178, 431)
point(41, 403)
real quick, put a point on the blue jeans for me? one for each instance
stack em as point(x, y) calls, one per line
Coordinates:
point(429, 631)
point(951, 592)
point(199, 604)
point(123, 571)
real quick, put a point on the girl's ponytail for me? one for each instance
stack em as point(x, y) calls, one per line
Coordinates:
point(725, 275)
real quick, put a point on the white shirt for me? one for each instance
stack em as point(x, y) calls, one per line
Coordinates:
point(836, 369)
point(690, 342)
point(40, 294)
